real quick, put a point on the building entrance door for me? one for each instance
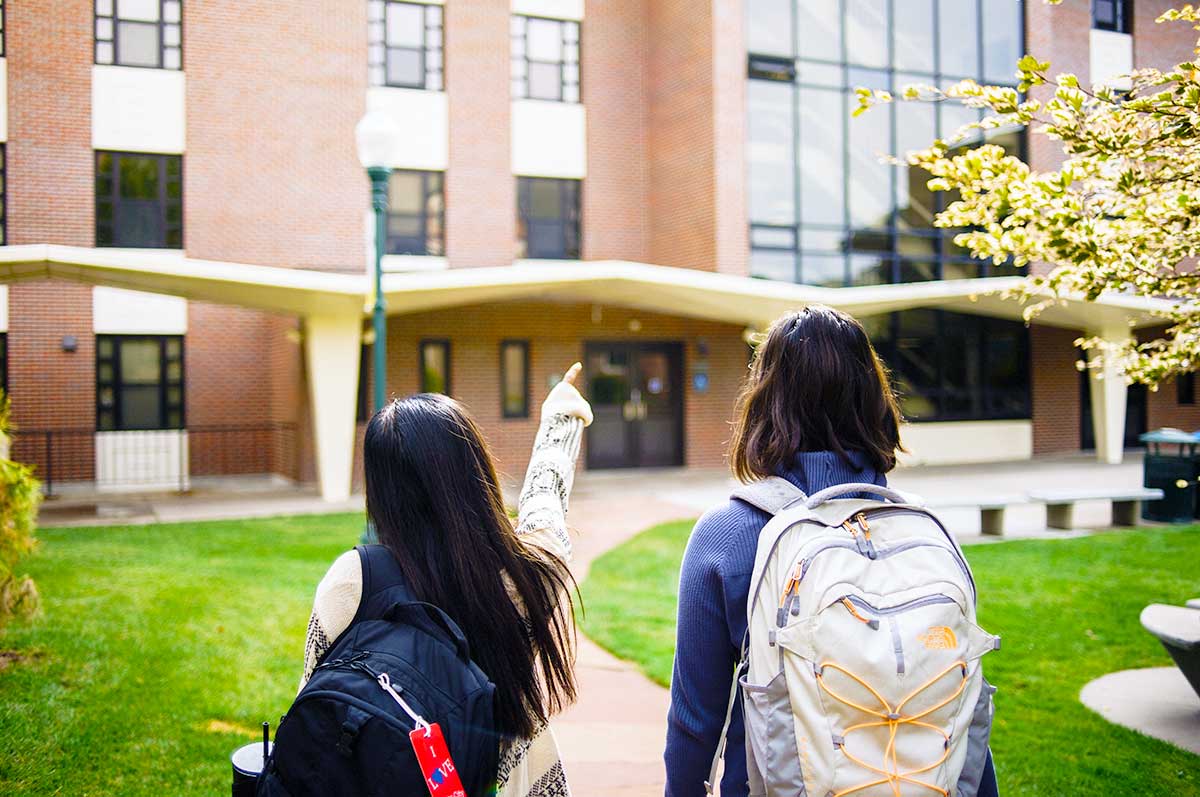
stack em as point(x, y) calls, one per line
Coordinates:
point(636, 391)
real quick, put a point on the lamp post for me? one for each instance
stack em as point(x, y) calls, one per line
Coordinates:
point(375, 135)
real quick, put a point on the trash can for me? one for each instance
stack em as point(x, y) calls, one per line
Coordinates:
point(1171, 466)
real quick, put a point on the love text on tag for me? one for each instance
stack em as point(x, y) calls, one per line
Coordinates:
point(441, 776)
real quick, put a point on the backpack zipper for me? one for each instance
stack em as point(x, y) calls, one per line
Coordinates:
point(385, 683)
point(915, 603)
point(872, 623)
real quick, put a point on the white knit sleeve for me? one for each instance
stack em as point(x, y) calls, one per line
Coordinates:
point(542, 509)
point(334, 606)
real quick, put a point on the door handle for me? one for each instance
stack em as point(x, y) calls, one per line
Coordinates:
point(641, 411)
point(629, 411)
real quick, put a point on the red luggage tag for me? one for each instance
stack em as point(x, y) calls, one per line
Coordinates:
point(441, 776)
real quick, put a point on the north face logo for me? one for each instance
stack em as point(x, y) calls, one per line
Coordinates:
point(938, 637)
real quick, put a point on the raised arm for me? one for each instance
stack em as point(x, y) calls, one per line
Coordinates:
point(542, 508)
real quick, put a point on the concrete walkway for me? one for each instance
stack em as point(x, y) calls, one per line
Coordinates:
point(1157, 701)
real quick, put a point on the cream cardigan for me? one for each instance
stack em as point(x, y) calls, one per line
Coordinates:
point(528, 767)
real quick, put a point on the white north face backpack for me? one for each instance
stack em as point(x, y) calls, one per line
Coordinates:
point(861, 671)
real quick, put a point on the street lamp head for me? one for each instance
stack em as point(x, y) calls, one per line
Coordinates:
point(375, 134)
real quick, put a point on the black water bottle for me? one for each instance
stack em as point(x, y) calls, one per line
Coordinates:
point(249, 761)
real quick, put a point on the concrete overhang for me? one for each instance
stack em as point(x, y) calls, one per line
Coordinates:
point(672, 291)
point(279, 290)
point(741, 300)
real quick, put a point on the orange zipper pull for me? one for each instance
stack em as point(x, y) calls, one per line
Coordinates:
point(874, 624)
point(862, 521)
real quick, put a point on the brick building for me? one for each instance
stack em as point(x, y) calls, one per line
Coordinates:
point(631, 183)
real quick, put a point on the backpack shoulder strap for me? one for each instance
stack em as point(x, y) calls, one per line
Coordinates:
point(383, 583)
point(772, 494)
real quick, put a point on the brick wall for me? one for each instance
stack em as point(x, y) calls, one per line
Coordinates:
point(1160, 46)
point(271, 176)
point(732, 245)
point(682, 132)
point(481, 194)
point(50, 199)
point(274, 91)
point(1060, 34)
point(242, 391)
point(615, 194)
point(557, 333)
point(1055, 387)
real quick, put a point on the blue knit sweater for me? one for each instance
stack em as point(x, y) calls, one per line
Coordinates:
point(713, 586)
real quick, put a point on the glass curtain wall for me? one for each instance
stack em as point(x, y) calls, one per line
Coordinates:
point(824, 209)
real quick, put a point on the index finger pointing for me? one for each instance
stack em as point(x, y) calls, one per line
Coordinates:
point(572, 373)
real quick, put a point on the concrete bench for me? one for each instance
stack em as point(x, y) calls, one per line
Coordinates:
point(1178, 629)
point(991, 509)
point(1126, 504)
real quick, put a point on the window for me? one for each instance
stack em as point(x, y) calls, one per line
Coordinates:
point(139, 33)
point(823, 209)
point(2, 27)
point(363, 401)
point(954, 366)
point(547, 218)
point(405, 44)
point(3, 193)
point(4, 362)
point(1114, 15)
point(1185, 388)
point(139, 200)
point(514, 378)
point(139, 382)
point(545, 58)
point(416, 214)
point(435, 366)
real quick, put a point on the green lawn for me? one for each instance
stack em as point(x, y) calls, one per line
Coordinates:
point(1067, 610)
point(160, 650)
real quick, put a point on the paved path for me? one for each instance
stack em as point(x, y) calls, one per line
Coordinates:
point(612, 739)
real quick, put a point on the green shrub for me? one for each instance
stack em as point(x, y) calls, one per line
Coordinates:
point(20, 495)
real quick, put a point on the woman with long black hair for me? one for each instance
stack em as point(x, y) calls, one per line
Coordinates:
point(435, 501)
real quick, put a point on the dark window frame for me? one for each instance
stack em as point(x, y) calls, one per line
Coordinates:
point(3, 191)
point(363, 399)
point(393, 246)
point(3, 29)
point(520, 82)
point(113, 40)
point(893, 259)
point(1122, 21)
point(164, 384)
point(445, 344)
point(4, 362)
point(433, 28)
point(570, 218)
point(1185, 388)
point(522, 344)
point(114, 197)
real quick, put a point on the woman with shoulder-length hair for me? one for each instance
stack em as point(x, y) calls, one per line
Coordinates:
point(434, 499)
point(818, 410)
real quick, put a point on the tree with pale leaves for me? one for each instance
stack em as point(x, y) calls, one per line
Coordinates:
point(1120, 215)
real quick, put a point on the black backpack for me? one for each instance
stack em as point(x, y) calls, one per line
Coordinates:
point(346, 735)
